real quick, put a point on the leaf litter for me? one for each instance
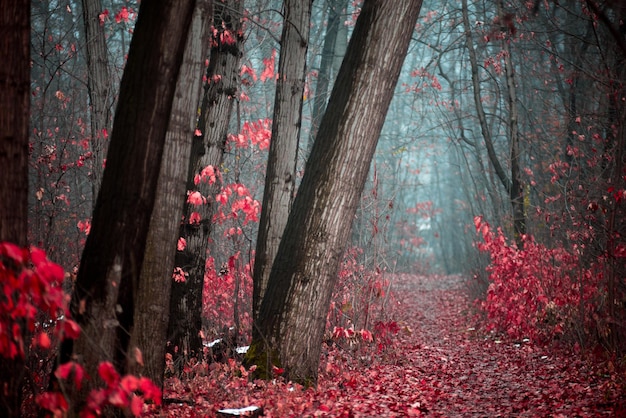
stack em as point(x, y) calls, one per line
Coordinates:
point(439, 364)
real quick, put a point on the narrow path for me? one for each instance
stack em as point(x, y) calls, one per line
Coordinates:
point(463, 373)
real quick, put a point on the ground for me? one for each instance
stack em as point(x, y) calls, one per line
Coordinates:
point(438, 364)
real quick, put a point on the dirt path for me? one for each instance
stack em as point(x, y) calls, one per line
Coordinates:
point(467, 374)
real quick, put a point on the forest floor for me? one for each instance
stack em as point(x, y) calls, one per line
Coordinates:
point(438, 364)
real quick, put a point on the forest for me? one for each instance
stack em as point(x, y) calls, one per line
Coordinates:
point(330, 208)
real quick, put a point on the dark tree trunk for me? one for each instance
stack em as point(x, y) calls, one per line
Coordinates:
point(104, 296)
point(14, 113)
point(292, 317)
point(185, 320)
point(149, 332)
point(280, 179)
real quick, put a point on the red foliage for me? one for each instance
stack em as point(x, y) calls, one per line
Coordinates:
point(438, 365)
point(31, 296)
point(536, 292)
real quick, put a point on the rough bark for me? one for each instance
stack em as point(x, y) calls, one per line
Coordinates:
point(149, 331)
point(280, 178)
point(104, 295)
point(98, 86)
point(14, 113)
point(185, 321)
point(291, 322)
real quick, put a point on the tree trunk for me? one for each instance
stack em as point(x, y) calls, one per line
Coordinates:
point(516, 193)
point(324, 81)
point(280, 178)
point(14, 113)
point(149, 331)
point(185, 320)
point(99, 87)
point(512, 184)
point(104, 295)
point(292, 316)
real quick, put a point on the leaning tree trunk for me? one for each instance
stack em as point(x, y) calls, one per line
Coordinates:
point(185, 319)
point(104, 296)
point(14, 112)
point(292, 317)
point(280, 179)
point(149, 331)
point(99, 87)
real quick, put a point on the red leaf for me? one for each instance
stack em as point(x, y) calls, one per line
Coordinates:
point(12, 251)
point(129, 383)
point(42, 340)
point(54, 402)
point(136, 405)
point(107, 372)
point(71, 329)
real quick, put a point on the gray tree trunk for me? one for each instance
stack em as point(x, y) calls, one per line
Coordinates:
point(292, 316)
point(149, 331)
point(99, 87)
point(280, 178)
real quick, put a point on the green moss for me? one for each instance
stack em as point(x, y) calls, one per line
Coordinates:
point(259, 355)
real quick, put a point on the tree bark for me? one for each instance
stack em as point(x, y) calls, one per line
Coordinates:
point(104, 296)
point(98, 86)
point(14, 113)
point(185, 320)
point(280, 178)
point(292, 316)
point(149, 331)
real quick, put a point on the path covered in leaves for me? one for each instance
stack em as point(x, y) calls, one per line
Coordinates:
point(438, 365)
